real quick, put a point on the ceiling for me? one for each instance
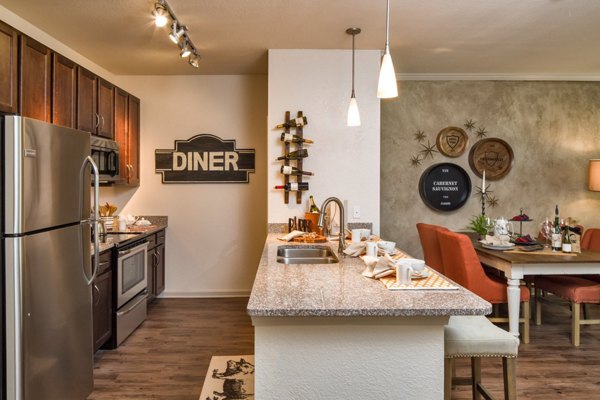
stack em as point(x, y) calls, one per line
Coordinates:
point(427, 37)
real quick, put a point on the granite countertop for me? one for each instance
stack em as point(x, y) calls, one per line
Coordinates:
point(339, 290)
point(138, 232)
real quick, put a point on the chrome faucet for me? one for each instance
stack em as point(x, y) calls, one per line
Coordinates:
point(342, 245)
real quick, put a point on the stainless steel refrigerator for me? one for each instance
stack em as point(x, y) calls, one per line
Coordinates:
point(47, 273)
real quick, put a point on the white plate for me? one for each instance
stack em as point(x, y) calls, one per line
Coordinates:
point(498, 246)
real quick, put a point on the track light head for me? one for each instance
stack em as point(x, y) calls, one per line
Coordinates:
point(177, 32)
point(185, 49)
point(160, 15)
point(194, 60)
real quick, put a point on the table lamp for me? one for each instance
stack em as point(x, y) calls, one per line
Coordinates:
point(594, 175)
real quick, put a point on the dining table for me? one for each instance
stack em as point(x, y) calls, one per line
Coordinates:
point(516, 263)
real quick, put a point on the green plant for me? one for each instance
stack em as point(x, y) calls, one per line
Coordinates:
point(480, 224)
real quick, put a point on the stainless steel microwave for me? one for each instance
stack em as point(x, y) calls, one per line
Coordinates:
point(105, 153)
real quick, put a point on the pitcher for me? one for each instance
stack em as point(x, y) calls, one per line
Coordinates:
point(503, 227)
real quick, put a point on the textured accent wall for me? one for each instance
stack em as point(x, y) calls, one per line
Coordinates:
point(553, 128)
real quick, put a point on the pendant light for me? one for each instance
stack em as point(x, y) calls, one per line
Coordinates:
point(353, 114)
point(387, 87)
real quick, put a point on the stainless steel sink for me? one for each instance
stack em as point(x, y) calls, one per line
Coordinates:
point(312, 254)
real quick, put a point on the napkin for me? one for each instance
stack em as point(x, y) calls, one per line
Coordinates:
point(379, 267)
point(291, 235)
point(500, 240)
point(355, 249)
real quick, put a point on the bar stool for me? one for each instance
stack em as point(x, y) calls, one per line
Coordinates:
point(476, 337)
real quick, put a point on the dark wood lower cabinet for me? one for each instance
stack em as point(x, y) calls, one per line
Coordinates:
point(156, 265)
point(102, 308)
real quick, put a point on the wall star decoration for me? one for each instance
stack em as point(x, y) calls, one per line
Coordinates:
point(481, 133)
point(428, 150)
point(492, 201)
point(469, 125)
point(415, 160)
point(419, 136)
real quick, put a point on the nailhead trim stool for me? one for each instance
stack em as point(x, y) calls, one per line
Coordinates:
point(476, 337)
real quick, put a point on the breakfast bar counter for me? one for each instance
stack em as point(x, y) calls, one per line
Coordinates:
point(316, 321)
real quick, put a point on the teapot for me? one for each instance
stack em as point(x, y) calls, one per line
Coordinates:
point(503, 227)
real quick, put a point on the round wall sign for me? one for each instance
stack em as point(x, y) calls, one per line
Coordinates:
point(452, 141)
point(445, 187)
point(493, 155)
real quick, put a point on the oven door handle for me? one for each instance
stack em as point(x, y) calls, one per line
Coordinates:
point(136, 249)
point(130, 308)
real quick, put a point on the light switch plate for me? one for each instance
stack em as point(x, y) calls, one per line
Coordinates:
point(356, 212)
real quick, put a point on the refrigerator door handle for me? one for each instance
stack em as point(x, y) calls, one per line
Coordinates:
point(95, 219)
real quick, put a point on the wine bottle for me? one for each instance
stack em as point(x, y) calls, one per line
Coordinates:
point(288, 137)
point(294, 155)
point(566, 241)
point(313, 207)
point(289, 170)
point(556, 235)
point(293, 186)
point(295, 122)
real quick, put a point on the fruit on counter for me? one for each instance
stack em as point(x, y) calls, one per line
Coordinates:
point(522, 217)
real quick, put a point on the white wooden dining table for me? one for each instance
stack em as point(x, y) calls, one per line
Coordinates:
point(516, 264)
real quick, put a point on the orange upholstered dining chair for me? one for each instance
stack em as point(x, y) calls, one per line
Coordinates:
point(578, 290)
point(462, 265)
point(431, 245)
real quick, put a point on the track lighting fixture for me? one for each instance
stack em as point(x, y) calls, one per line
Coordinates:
point(194, 60)
point(160, 15)
point(185, 49)
point(178, 33)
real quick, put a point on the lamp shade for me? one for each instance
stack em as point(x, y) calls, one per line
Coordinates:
point(353, 113)
point(594, 175)
point(387, 87)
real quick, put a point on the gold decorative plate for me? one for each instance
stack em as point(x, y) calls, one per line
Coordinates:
point(493, 155)
point(452, 141)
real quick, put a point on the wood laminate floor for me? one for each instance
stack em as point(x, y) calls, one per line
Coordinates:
point(167, 357)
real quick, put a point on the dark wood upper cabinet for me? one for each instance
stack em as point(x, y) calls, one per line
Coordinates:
point(121, 128)
point(87, 119)
point(64, 91)
point(133, 141)
point(8, 68)
point(106, 109)
point(35, 80)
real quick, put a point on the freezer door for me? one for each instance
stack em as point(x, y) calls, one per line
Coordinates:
point(44, 184)
point(49, 315)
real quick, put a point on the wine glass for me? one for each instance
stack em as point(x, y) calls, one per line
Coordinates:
point(546, 229)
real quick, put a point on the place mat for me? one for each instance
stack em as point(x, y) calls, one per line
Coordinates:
point(433, 282)
point(229, 377)
point(544, 252)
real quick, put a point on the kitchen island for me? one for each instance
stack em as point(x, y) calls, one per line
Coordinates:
point(323, 331)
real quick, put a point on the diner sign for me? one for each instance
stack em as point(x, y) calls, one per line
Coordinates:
point(445, 187)
point(205, 159)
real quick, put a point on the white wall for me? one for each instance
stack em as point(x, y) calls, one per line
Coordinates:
point(216, 231)
point(345, 160)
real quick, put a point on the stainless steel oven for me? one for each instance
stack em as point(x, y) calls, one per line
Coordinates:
point(105, 153)
point(131, 289)
point(131, 269)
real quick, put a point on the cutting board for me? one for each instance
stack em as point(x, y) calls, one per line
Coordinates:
point(305, 239)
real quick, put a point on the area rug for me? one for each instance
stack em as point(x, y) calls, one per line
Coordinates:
point(229, 378)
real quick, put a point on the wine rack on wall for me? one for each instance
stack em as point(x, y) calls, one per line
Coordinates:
point(299, 162)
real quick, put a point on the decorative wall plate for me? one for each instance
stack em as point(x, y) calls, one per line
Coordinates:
point(452, 141)
point(493, 155)
point(445, 187)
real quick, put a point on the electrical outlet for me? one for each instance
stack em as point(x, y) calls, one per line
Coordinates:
point(356, 213)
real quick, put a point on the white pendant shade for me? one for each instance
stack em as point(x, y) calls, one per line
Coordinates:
point(353, 113)
point(387, 87)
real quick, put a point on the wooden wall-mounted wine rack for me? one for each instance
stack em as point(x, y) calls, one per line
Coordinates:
point(299, 161)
